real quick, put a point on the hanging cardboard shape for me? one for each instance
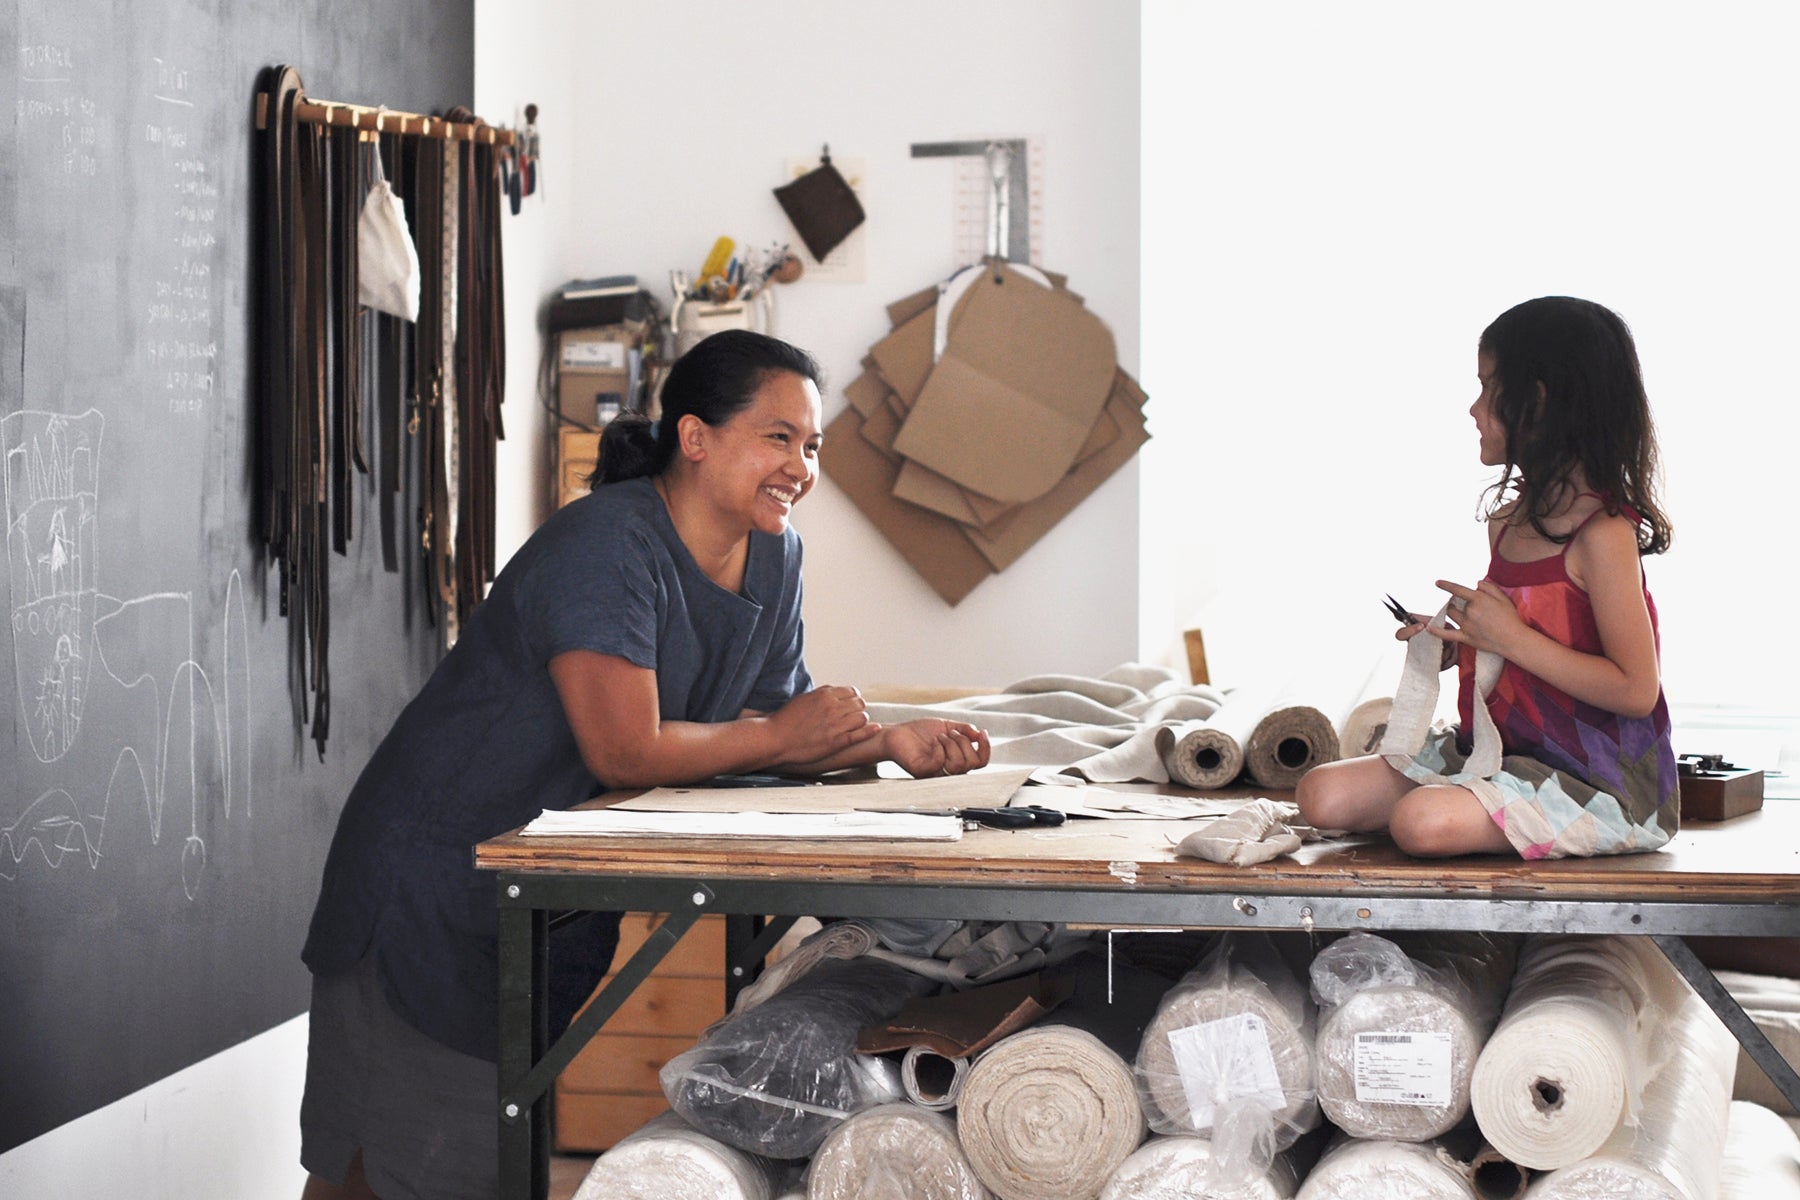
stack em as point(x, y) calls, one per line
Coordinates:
point(933, 545)
point(1004, 543)
point(904, 356)
point(1025, 373)
point(866, 392)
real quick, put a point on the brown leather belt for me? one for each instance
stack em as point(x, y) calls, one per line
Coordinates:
point(326, 369)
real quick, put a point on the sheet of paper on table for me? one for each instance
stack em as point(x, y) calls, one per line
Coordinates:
point(987, 788)
point(1092, 800)
point(866, 826)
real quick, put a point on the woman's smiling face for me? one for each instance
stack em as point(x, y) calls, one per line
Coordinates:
point(767, 456)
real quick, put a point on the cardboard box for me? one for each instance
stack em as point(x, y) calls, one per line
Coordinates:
point(593, 368)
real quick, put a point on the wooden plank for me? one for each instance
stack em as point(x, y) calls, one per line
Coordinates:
point(700, 954)
point(1754, 858)
point(593, 1126)
point(666, 1005)
point(621, 1063)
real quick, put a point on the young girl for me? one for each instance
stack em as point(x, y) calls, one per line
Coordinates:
point(1588, 767)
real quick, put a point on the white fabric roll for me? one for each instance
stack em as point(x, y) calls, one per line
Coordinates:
point(1579, 1037)
point(1183, 1168)
point(1362, 724)
point(944, 1075)
point(1048, 1114)
point(1676, 1148)
point(667, 1159)
point(1356, 1169)
point(1210, 753)
point(895, 1152)
point(1762, 1156)
point(1402, 1021)
point(1229, 1054)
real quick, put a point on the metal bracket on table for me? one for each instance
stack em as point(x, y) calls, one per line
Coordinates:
point(1009, 191)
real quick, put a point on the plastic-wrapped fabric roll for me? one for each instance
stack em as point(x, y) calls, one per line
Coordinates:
point(776, 1079)
point(1773, 1003)
point(1229, 1054)
point(1048, 1114)
point(1676, 1148)
point(897, 1152)
point(1402, 1020)
point(1574, 1046)
point(1359, 1169)
point(667, 1159)
point(1182, 1168)
point(932, 1080)
point(1762, 1156)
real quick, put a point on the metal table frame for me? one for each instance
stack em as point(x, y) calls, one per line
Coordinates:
point(528, 1064)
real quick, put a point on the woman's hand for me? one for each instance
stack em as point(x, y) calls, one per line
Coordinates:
point(935, 747)
point(1484, 615)
point(821, 723)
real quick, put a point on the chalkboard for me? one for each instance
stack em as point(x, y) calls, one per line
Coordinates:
point(163, 818)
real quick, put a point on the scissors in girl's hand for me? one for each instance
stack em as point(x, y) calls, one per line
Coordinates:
point(1400, 613)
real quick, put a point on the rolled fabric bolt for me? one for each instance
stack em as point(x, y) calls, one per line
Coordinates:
point(1570, 1056)
point(1675, 1150)
point(1360, 1169)
point(1210, 753)
point(667, 1159)
point(1048, 1114)
point(932, 1080)
point(1288, 742)
point(894, 1150)
point(1180, 1167)
point(1762, 1156)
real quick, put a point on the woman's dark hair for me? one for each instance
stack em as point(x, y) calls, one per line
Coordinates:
point(714, 381)
point(1572, 397)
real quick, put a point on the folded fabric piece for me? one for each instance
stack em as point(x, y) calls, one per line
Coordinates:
point(1676, 1148)
point(776, 1079)
point(1762, 1156)
point(1580, 1036)
point(667, 1159)
point(1254, 832)
point(1356, 1169)
point(840, 939)
point(1402, 1021)
point(1229, 1054)
point(1182, 1168)
point(897, 1152)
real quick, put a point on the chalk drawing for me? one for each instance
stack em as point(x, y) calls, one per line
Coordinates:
point(178, 741)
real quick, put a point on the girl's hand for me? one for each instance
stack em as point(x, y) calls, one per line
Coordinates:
point(1484, 615)
point(935, 747)
point(822, 722)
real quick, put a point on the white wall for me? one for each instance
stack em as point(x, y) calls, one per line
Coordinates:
point(689, 113)
point(226, 1128)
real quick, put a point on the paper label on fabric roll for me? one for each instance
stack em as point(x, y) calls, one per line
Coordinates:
point(1225, 1060)
point(1403, 1068)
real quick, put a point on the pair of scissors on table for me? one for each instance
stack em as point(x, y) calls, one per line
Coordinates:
point(1010, 816)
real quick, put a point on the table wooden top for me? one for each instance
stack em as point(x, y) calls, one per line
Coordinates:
point(1750, 859)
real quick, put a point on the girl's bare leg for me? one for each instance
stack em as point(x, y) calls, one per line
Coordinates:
point(1354, 794)
point(1439, 820)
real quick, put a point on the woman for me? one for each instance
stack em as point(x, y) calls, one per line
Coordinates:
point(648, 634)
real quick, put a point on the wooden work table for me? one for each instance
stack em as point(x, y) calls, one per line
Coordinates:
point(1739, 877)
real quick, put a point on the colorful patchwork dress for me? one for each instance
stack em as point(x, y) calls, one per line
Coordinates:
point(1575, 779)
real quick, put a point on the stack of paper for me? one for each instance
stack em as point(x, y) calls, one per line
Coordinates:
point(611, 822)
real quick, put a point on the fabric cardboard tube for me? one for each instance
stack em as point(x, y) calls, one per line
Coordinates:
point(896, 1151)
point(1578, 1039)
point(1497, 1177)
point(1359, 1169)
point(932, 1080)
point(667, 1159)
point(1676, 1148)
point(1049, 1114)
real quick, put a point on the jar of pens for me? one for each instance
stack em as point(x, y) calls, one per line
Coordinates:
point(734, 290)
